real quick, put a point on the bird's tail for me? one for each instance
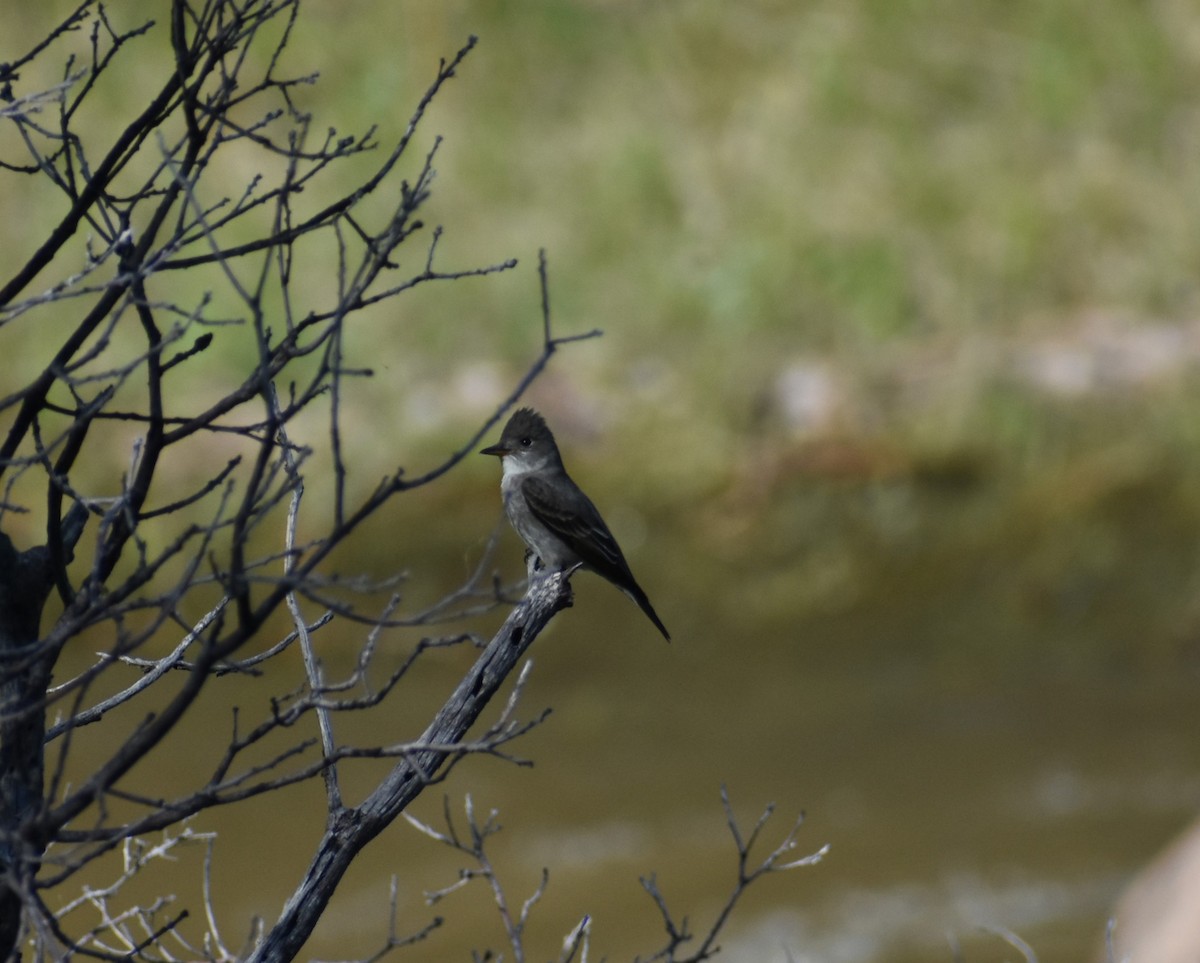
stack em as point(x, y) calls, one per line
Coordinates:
point(635, 592)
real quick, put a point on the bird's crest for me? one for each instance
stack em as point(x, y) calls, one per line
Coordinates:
point(525, 423)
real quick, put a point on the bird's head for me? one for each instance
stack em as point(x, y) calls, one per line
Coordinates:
point(526, 443)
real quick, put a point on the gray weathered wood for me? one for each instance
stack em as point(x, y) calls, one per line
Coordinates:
point(349, 830)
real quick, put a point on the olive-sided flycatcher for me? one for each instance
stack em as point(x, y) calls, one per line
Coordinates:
point(552, 515)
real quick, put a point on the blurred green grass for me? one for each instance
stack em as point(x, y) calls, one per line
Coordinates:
point(908, 198)
point(720, 188)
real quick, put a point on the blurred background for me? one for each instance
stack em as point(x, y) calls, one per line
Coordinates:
point(894, 415)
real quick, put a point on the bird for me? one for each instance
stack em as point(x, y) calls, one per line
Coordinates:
point(552, 515)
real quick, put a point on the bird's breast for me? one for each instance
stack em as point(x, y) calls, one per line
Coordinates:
point(545, 543)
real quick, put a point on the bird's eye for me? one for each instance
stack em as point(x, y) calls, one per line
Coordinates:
point(526, 442)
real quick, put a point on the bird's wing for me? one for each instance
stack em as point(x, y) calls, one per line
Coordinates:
point(570, 515)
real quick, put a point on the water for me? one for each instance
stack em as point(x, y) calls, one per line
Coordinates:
point(984, 703)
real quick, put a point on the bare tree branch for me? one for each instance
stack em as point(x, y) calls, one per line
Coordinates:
point(678, 933)
point(133, 331)
point(187, 405)
point(351, 829)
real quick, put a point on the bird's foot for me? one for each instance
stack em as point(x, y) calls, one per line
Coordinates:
point(533, 564)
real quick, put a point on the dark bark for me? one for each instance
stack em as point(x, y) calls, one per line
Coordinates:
point(26, 580)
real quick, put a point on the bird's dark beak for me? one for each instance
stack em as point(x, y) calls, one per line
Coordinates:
point(498, 450)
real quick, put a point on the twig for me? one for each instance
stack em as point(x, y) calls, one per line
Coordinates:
point(678, 932)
